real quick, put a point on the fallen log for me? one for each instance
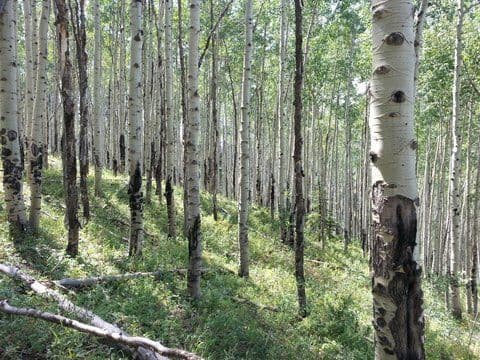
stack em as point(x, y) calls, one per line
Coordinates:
point(73, 283)
point(242, 300)
point(85, 282)
point(117, 337)
point(13, 272)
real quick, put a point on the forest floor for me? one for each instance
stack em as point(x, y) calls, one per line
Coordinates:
point(235, 319)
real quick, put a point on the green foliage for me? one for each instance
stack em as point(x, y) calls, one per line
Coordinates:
point(221, 325)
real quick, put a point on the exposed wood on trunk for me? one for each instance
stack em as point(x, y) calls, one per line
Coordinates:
point(69, 149)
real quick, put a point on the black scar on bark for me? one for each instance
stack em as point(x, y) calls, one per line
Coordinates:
point(134, 189)
point(373, 157)
point(12, 135)
point(395, 39)
point(398, 96)
point(6, 152)
point(194, 235)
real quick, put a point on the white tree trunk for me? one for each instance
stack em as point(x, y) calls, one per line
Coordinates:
point(98, 120)
point(456, 168)
point(244, 146)
point(397, 296)
point(9, 121)
point(169, 118)
point(135, 117)
point(36, 144)
point(192, 169)
point(281, 120)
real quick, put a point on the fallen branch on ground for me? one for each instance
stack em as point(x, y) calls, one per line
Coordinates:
point(140, 352)
point(79, 283)
point(249, 302)
point(118, 337)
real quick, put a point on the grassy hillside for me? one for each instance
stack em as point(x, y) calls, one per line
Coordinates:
point(235, 319)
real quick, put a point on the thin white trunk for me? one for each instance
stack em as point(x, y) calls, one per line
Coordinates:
point(39, 117)
point(135, 115)
point(192, 168)
point(244, 146)
point(455, 169)
point(98, 120)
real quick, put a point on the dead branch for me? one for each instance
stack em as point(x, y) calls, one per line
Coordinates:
point(117, 337)
point(242, 300)
point(66, 305)
point(80, 283)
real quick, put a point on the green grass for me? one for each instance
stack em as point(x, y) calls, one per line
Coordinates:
point(218, 326)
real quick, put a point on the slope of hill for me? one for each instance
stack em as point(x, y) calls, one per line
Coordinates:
point(235, 319)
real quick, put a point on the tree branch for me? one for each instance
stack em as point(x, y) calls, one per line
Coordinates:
point(212, 31)
point(117, 337)
point(66, 305)
point(80, 283)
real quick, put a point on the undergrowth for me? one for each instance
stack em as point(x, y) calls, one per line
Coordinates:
point(235, 318)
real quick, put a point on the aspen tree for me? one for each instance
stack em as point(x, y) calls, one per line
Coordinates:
point(397, 296)
point(213, 98)
point(29, 74)
point(9, 121)
point(169, 118)
point(77, 14)
point(192, 169)
point(297, 156)
point(455, 168)
point(135, 117)
point(36, 145)
point(282, 210)
point(244, 146)
point(69, 148)
point(98, 121)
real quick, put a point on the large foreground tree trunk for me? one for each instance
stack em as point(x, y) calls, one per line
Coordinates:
point(397, 296)
point(9, 121)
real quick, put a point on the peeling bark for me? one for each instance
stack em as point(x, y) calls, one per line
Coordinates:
point(397, 295)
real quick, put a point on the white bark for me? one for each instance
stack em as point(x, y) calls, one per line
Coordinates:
point(118, 337)
point(135, 115)
point(98, 120)
point(9, 121)
point(456, 167)
point(397, 295)
point(192, 169)
point(244, 146)
point(169, 118)
point(39, 117)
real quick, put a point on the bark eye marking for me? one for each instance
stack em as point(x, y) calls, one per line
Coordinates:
point(398, 96)
point(379, 13)
point(373, 157)
point(414, 144)
point(382, 70)
point(394, 114)
point(395, 38)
